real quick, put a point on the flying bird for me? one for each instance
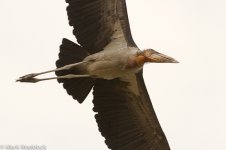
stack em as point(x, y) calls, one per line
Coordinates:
point(108, 60)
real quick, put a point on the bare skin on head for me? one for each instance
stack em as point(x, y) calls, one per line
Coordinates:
point(113, 67)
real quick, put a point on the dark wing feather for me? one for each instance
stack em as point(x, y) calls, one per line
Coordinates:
point(126, 120)
point(94, 22)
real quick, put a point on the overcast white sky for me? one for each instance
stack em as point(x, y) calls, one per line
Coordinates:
point(189, 98)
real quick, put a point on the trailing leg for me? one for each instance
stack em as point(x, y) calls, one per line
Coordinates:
point(34, 80)
point(28, 77)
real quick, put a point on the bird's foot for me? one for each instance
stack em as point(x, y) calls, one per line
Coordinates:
point(28, 78)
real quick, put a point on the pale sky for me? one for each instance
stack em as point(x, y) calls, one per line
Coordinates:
point(189, 98)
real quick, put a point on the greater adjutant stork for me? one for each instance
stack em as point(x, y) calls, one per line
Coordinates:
point(109, 61)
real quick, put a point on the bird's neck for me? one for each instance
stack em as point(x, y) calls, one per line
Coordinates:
point(140, 60)
point(136, 62)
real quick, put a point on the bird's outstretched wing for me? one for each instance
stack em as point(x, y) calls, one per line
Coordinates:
point(126, 117)
point(94, 22)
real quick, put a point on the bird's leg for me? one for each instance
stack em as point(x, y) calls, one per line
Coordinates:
point(34, 80)
point(30, 77)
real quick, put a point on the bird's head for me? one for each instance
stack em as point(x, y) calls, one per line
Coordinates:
point(153, 56)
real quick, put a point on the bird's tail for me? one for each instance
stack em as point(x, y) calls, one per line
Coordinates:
point(71, 53)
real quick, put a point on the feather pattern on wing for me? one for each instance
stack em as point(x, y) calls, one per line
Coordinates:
point(127, 120)
point(94, 22)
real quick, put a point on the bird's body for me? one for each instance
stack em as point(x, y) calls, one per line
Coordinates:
point(111, 64)
point(109, 61)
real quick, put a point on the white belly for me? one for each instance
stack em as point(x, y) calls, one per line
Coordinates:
point(110, 64)
point(110, 69)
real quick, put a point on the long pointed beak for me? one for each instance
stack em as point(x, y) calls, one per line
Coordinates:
point(161, 58)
